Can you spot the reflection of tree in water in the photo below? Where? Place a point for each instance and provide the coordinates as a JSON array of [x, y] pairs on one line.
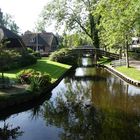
[[121, 110], [36, 112], [112, 115], [74, 112], [77, 120], [9, 133]]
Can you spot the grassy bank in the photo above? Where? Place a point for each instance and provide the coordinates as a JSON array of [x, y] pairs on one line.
[[55, 69], [104, 61], [130, 72], [18, 94]]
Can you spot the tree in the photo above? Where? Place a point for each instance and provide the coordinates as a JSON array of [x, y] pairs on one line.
[[74, 15], [74, 40], [117, 22], [6, 58], [7, 21]]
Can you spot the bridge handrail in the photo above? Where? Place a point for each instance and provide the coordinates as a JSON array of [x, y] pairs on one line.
[[106, 53]]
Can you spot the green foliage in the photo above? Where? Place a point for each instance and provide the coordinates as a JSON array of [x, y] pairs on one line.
[[36, 79], [7, 21], [75, 16], [35, 83], [55, 55], [32, 52], [117, 23], [29, 50], [43, 65], [134, 55], [26, 59], [37, 55], [12, 59], [74, 40], [130, 72], [64, 55], [7, 58], [24, 75]]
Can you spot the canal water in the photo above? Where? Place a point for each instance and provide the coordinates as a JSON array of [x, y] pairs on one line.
[[89, 104]]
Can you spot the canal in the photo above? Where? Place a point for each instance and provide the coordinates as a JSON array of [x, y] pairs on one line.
[[88, 104]]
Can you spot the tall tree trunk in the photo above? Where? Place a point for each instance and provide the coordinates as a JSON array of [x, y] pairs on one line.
[[94, 32], [127, 57], [94, 35]]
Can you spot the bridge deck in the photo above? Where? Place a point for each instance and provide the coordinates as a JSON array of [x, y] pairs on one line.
[[92, 51]]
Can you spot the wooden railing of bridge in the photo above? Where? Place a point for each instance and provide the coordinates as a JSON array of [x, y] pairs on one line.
[[92, 51]]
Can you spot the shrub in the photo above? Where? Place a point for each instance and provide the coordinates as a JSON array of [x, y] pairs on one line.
[[8, 60], [24, 75], [29, 50], [37, 55], [34, 53], [36, 79], [40, 81], [35, 83], [45, 79], [64, 55], [26, 60]]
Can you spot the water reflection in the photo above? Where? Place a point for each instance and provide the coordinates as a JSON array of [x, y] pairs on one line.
[[103, 109], [99, 108], [87, 61], [7, 132]]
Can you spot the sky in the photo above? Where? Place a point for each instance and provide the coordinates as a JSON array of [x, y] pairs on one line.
[[24, 12]]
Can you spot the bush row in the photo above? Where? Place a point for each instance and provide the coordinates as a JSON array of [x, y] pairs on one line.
[[15, 60]]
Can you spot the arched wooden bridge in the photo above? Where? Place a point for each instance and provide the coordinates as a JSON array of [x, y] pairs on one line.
[[90, 50]]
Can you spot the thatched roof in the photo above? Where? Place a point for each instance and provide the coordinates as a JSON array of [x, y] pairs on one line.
[[15, 40], [44, 38], [6, 33], [48, 37], [31, 39]]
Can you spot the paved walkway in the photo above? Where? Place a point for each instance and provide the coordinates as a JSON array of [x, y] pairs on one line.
[[132, 62], [135, 63]]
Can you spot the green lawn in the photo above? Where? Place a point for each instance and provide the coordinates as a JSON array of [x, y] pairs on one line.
[[43, 65], [130, 72], [104, 60]]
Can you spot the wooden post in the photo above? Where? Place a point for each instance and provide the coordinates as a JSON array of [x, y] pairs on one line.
[[127, 57]]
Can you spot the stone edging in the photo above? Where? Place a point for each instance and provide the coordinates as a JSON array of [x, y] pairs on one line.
[[122, 76]]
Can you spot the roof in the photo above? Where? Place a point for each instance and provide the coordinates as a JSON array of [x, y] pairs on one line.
[[48, 37], [44, 38], [15, 40], [6, 33], [31, 39]]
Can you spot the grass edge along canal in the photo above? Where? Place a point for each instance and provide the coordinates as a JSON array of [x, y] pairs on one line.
[[55, 69]]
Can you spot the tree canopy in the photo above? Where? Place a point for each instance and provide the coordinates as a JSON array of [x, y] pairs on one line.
[[73, 15], [7, 21], [118, 20]]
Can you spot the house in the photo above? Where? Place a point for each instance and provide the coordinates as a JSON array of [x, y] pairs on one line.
[[14, 41], [135, 42], [43, 42]]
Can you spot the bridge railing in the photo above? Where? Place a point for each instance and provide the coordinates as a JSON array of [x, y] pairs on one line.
[[98, 51]]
